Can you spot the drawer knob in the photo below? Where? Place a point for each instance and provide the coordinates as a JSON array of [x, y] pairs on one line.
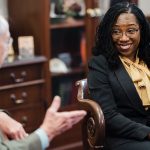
[[18, 80], [24, 121], [18, 101]]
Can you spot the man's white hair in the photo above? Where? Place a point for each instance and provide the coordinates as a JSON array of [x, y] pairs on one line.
[[3, 25]]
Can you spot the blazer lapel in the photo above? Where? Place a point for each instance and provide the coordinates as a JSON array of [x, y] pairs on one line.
[[129, 87]]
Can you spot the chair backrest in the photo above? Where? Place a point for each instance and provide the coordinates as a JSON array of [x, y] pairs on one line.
[[93, 125]]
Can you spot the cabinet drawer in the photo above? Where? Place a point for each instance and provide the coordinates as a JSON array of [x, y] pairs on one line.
[[20, 96], [31, 116], [20, 74]]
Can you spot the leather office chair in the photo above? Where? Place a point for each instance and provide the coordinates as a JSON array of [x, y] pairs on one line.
[[93, 125]]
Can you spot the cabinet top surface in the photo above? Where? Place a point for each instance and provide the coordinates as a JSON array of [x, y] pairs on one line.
[[16, 61]]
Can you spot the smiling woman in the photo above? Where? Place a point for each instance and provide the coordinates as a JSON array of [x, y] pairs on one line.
[[126, 35], [119, 77]]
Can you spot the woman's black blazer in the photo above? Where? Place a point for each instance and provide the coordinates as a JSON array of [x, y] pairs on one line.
[[114, 90]]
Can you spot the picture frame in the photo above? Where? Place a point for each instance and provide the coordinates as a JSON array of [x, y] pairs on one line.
[[26, 46]]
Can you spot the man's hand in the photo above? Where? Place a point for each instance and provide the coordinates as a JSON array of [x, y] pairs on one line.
[[56, 123], [11, 128]]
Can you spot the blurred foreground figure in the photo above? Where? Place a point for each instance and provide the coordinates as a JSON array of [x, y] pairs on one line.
[[12, 134]]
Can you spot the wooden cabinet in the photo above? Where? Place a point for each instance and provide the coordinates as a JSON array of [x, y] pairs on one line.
[[26, 82], [21, 91]]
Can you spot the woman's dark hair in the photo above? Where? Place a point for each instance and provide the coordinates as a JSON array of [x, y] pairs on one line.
[[103, 40]]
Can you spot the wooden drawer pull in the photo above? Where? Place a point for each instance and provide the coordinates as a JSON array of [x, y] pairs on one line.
[[18, 101], [24, 121], [18, 80]]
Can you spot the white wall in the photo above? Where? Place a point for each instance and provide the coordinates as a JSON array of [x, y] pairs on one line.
[[3, 8], [145, 6], [104, 5]]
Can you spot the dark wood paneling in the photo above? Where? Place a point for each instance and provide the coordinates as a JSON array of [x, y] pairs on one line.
[[30, 17], [91, 25]]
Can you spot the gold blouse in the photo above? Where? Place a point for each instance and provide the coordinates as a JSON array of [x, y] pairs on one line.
[[140, 76]]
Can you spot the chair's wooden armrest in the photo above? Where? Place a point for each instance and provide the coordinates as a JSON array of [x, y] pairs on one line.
[[93, 123], [93, 126]]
